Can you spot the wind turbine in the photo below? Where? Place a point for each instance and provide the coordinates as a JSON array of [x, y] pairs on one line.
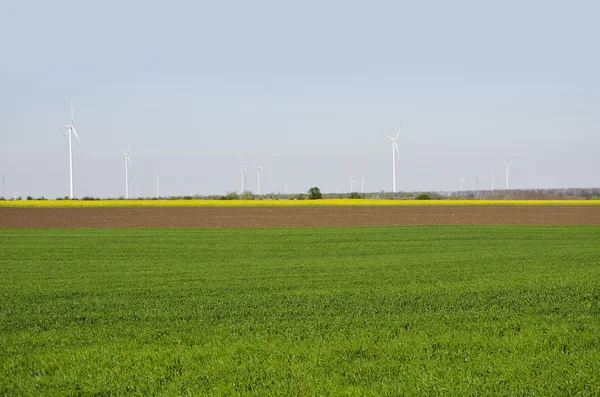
[[258, 168], [351, 185], [157, 184], [362, 183], [242, 170], [394, 151], [493, 179], [461, 184], [507, 164], [70, 131], [127, 163]]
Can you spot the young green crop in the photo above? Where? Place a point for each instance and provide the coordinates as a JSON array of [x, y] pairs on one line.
[[354, 311]]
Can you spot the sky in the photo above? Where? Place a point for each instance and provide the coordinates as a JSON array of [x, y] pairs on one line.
[[308, 87]]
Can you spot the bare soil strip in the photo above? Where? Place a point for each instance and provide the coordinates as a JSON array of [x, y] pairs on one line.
[[295, 217]]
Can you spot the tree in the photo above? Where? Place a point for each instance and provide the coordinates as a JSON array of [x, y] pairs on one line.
[[247, 195], [314, 193]]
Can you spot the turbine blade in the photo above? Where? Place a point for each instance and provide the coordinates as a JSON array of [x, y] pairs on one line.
[[389, 137], [129, 160], [76, 136], [397, 150], [398, 134]]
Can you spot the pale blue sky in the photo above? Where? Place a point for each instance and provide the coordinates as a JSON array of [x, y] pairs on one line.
[[309, 87]]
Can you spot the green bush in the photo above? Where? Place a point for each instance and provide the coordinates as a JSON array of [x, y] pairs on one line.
[[423, 196], [230, 196], [354, 195]]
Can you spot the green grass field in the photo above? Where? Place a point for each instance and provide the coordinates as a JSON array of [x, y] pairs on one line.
[[457, 310]]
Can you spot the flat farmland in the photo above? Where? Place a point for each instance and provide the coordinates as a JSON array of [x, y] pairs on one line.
[[285, 215], [374, 310]]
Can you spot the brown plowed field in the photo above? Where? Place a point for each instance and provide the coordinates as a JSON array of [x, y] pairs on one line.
[[296, 217]]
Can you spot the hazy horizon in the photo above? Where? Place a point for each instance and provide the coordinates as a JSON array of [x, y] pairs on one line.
[[310, 88]]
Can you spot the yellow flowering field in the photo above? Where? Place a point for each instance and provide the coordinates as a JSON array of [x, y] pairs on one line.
[[277, 203]]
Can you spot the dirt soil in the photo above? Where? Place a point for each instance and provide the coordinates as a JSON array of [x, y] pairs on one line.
[[296, 217]]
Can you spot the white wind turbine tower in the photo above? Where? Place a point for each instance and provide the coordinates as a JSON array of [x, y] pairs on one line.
[[461, 184], [127, 164], [351, 184], [493, 179], [157, 184], [362, 183], [507, 164], [242, 170], [394, 151], [258, 169], [70, 131]]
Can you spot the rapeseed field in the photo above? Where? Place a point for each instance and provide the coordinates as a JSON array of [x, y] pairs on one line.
[[276, 203]]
